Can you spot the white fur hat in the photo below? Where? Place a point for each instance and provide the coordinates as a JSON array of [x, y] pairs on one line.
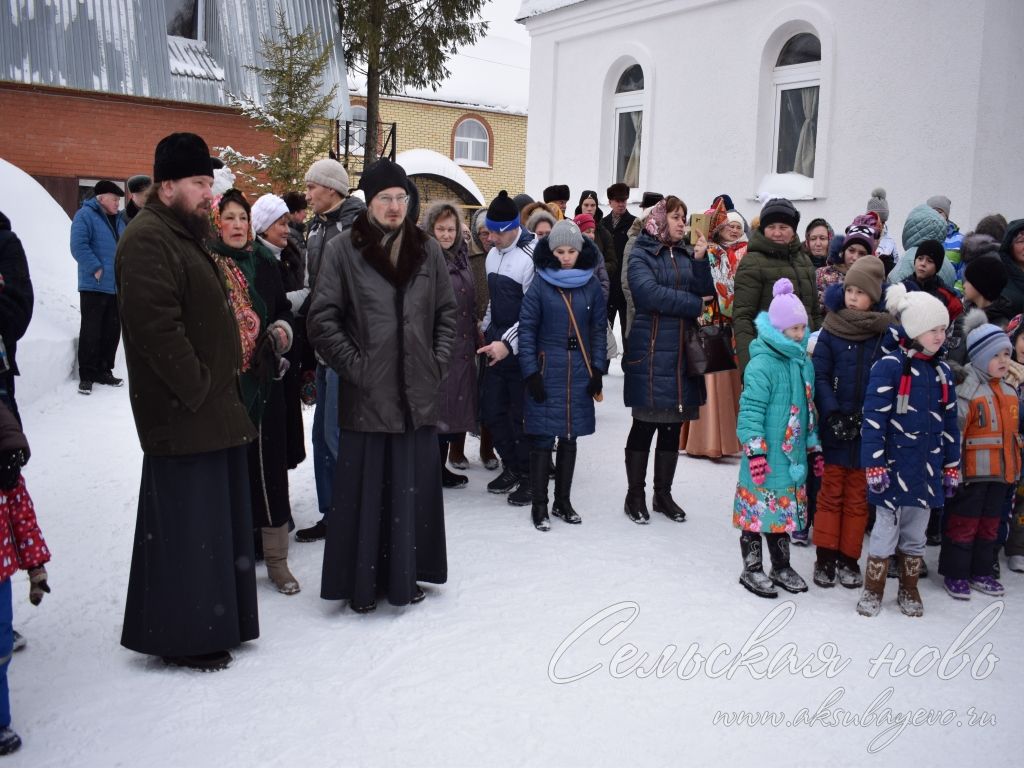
[[916, 311]]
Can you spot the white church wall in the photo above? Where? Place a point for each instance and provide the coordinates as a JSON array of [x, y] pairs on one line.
[[901, 85]]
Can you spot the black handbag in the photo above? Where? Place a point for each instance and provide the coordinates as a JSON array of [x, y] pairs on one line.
[[708, 348]]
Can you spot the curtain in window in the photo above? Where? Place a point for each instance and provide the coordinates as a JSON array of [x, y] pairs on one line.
[[631, 177], [803, 162]]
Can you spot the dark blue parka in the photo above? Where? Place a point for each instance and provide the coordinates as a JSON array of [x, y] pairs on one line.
[[548, 345], [841, 369], [668, 286]]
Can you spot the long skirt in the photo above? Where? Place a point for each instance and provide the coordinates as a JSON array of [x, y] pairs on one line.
[[192, 586], [713, 434], [268, 464], [386, 529]]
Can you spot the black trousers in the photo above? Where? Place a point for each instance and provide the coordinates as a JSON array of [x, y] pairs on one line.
[[99, 335]]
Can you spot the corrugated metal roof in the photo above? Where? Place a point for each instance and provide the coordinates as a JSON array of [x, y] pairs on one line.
[[122, 46]]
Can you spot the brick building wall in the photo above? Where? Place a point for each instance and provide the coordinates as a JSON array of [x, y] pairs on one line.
[[60, 135], [427, 125]]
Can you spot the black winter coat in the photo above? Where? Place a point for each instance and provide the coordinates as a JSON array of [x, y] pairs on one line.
[[620, 234], [387, 330], [16, 297]]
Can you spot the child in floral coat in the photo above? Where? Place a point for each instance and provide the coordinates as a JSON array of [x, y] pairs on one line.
[[778, 430], [21, 546]]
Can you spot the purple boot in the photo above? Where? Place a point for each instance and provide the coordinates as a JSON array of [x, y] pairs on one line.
[[958, 588], [987, 586]]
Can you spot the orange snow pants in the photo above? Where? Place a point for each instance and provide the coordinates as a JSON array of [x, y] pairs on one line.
[[842, 514]]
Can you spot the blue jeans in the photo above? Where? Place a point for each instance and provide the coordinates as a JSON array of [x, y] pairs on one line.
[[325, 435], [6, 647]]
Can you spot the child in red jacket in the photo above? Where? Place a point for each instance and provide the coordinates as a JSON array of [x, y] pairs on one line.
[[21, 546]]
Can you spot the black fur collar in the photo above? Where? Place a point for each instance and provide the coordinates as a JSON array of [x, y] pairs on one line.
[[366, 237]]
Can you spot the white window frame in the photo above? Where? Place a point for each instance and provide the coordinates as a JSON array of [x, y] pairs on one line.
[[469, 142], [793, 77], [357, 147], [628, 101]]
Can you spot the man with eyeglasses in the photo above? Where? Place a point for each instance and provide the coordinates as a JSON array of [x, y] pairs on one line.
[[333, 213], [383, 317]]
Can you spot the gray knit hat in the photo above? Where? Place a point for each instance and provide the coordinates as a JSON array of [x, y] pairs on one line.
[[878, 204], [567, 233], [939, 203], [329, 173]]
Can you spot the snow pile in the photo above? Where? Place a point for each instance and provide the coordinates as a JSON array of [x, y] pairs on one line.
[[46, 355], [529, 8], [792, 186], [426, 162], [190, 58]]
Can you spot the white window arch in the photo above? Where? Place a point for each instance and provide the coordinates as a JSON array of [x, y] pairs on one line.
[[796, 87], [627, 126], [472, 143]]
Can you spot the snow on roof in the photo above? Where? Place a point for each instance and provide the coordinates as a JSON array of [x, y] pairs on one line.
[[426, 162], [190, 57], [530, 8], [494, 73]]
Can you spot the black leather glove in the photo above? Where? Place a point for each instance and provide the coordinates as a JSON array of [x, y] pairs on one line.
[[535, 386], [596, 385], [854, 421], [11, 463]]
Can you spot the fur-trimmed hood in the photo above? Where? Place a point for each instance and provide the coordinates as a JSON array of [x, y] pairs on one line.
[[544, 258], [366, 237], [441, 208]]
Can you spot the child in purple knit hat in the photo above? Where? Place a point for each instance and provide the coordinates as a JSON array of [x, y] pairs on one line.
[[778, 429]]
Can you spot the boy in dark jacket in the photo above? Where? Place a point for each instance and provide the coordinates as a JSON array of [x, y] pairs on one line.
[[848, 345], [927, 263], [21, 546]]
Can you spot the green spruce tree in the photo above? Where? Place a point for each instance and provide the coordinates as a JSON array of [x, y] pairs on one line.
[[296, 111], [402, 43]]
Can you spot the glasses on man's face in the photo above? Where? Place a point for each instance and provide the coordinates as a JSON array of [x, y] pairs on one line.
[[390, 200], [1019, 238]]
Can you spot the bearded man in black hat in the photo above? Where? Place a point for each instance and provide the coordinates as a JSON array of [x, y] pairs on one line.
[[192, 587], [383, 318]]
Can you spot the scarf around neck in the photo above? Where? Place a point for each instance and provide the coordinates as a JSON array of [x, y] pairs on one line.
[[855, 324], [566, 278]]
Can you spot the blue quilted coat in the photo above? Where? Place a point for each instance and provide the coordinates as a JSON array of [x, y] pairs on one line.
[[841, 369], [93, 242], [668, 287], [545, 347], [915, 443]]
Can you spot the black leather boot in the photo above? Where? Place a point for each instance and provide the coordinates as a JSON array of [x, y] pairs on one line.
[[664, 474], [539, 489], [636, 478], [565, 465], [782, 574]]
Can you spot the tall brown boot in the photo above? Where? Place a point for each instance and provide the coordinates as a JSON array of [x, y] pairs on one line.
[[908, 597], [275, 553], [870, 602]]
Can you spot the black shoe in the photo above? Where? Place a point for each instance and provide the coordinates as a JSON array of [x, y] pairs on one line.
[[419, 596], [313, 533], [204, 662], [85, 387], [664, 474], [848, 572], [825, 568], [19, 642], [9, 741], [934, 539], [522, 496], [109, 379], [368, 608], [636, 476], [753, 577], [565, 466], [782, 574], [451, 480], [505, 482]]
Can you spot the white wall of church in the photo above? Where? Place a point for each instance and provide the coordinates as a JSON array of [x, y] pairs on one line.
[[915, 96]]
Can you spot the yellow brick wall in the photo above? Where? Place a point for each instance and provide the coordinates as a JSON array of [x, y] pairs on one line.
[[422, 125]]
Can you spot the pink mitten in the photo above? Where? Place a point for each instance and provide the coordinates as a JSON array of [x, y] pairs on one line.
[[759, 469]]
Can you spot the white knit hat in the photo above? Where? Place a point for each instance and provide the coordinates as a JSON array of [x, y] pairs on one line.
[[329, 173], [917, 311], [267, 210]]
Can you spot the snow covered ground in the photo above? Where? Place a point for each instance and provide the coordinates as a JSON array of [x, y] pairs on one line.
[[482, 672], [466, 677]]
